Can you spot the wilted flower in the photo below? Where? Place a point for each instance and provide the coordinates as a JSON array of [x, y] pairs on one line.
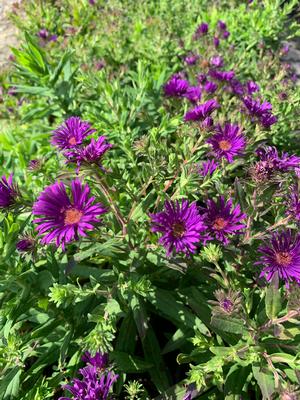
[[201, 111], [71, 133], [293, 204], [64, 219], [227, 142], [201, 78], [260, 111], [252, 87], [193, 94], [221, 75], [181, 226], [210, 87], [261, 172], [35, 165], [100, 64], [207, 167], [176, 86], [281, 255], [274, 161], [90, 154], [228, 303], [94, 385], [223, 219], [222, 25], [226, 34], [8, 192]]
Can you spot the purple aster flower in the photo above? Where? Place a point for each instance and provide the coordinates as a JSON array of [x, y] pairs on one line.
[[8, 192], [237, 87], [95, 385], [210, 87], [260, 111], [281, 255], [274, 161], [176, 86], [53, 38], [92, 2], [193, 94], [62, 218], [191, 59], [285, 49], [207, 124], [293, 204], [227, 142], [100, 360], [216, 41], [90, 154], [201, 30], [43, 34], [207, 168], [222, 25], [226, 34], [221, 75], [25, 244], [201, 78], [181, 226], [217, 61], [252, 87], [228, 302], [71, 133], [223, 219], [201, 111]]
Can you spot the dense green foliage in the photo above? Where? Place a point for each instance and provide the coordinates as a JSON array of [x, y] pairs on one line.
[[117, 291]]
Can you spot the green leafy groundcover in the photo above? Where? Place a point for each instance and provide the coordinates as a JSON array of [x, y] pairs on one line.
[[188, 280]]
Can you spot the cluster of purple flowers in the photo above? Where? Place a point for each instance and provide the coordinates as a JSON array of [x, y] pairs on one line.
[[45, 36], [96, 382], [220, 33]]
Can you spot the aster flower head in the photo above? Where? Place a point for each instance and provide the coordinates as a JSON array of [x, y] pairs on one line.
[[191, 59], [99, 360], [225, 34], [201, 78], [223, 219], [276, 162], [62, 218], [193, 94], [207, 167], [43, 34], [222, 75], [176, 86], [201, 111], [8, 192], [227, 142], [280, 255], [217, 62], [94, 385], [222, 25], [261, 111], [90, 154], [25, 244], [210, 87], [181, 226], [237, 87], [71, 133], [227, 303], [201, 30], [252, 87], [216, 42], [207, 124]]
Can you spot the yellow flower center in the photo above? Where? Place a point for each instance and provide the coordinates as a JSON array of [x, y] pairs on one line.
[[283, 258], [178, 229], [225, 145], [72, 140], [220, 223], [72, 216]]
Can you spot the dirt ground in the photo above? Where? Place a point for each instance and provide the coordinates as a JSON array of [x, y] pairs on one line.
[[8, 33]]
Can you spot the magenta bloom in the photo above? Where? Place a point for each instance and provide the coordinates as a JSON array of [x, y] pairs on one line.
[[8, 192], [25, 244], [281, 255], [252, 87], [193, 94], [43, 34], [100, 360], [201, 111], [95, 384], [71, 133], [217, 62], [201, 30], [210, 87], [216, 41], [226, 34], [227, 142], [221, 75], [64, 219], [260, 111], [181, 226], [207, 168], [285, 162], [176, 86], [191, 59], [223, 219], [90, 154], [222, 25], [201, 78]]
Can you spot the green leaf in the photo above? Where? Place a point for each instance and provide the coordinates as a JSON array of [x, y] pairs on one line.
[[129, 364], [273, 299], [265, 380], [228, 324], [236, 379]]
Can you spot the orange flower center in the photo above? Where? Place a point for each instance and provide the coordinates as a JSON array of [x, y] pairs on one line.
[[225, 145], [220, 223], [72, 140], [72, 216], [178, 229], [283, 258]]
